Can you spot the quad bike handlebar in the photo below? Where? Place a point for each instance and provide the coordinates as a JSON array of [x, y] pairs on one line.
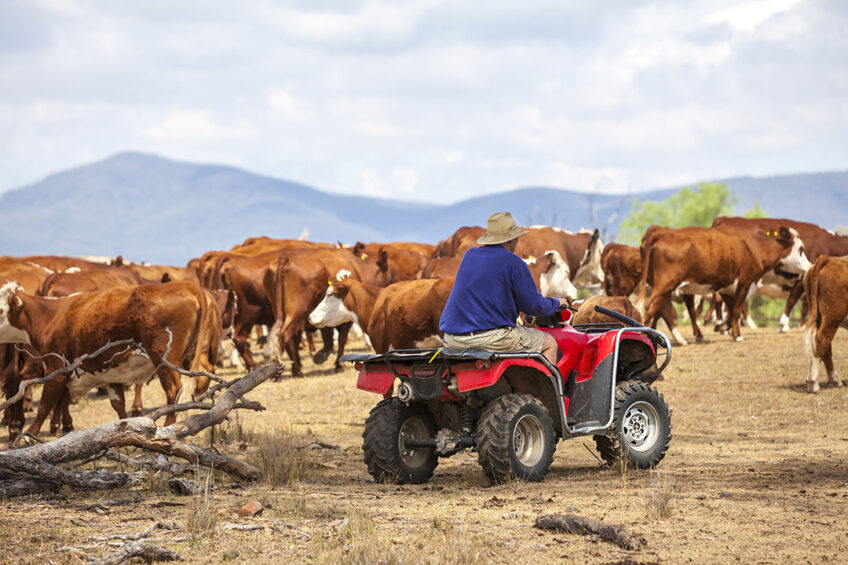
[[627, 321]]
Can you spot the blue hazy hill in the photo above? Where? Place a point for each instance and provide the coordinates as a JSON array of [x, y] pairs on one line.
[[146, 207]]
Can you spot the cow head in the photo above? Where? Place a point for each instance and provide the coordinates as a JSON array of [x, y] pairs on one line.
[[555, 281], [795, 261], [590, 271], [359, 249], [11, 307], [331, 311]]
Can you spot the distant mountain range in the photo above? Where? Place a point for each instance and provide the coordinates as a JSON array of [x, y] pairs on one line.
[[146, 207]]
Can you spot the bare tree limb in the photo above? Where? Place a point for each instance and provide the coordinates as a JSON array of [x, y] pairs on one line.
[[571, 524], [146, 551], [172, 408], [36, 467]]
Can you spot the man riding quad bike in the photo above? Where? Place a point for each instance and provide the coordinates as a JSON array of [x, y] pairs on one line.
[[513, 407], [510, 391]]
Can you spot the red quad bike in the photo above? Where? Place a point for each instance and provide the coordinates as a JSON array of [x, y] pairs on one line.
[[512, 407]]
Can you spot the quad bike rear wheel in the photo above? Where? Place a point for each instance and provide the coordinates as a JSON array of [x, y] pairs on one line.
[[387, 428], [515, 439], [641, 428]]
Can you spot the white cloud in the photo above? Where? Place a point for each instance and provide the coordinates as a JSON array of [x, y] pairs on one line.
[[426, 100], [452, 158], [194, 125]]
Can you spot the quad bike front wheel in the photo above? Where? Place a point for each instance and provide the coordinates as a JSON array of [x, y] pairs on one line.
[[387, 428], [641, 428], [515, 439]]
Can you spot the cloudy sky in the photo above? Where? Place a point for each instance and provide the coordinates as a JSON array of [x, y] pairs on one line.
[[430, 100]]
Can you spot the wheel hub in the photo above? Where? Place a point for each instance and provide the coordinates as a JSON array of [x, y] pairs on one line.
[[412, 429], [640, 426], [527, 440]]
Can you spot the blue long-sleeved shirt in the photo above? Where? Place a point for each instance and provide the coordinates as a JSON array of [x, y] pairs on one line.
[[492, 285]]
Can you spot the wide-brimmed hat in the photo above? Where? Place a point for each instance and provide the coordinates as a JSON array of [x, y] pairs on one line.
[[500, 228]]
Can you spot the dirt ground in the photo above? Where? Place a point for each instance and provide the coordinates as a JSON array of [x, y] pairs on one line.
[[756, 473]]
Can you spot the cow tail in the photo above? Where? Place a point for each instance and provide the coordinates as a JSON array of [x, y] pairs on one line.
[[279, 304], [811, 298], [642, 288]]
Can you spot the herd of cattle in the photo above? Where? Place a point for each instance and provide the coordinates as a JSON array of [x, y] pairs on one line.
[[55, 309]]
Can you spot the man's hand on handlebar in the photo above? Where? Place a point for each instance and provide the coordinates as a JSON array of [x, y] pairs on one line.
[[563, 303]]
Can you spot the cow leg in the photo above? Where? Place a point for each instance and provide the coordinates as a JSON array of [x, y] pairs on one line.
[[660, 306], [67, 420], [746, 316], [824, 351], [50, 396], [734, 307], [243, 347], [711, 311], [56, 414], [689, 301], [289, 342], [62, 414], [310, 342], [11, 383], [173, 386], [327, 347], [344, 330], [138, 405], [795, 295], [117, 399], [816, 344]]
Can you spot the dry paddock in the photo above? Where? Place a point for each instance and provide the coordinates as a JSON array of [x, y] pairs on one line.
[[757, 470]]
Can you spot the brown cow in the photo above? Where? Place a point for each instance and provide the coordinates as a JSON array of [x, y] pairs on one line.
[[779, 283], [622, 266], [299, 283], [82, 323], [403, 315], [425, 249], [47, 263], [461, 241], [707, 260], [826, 290], [405, 264], [165, 273], [586, 310], [257, 245], [72, 281], [441, 268]]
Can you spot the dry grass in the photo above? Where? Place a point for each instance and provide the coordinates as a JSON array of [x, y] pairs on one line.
[[659, 495], [282, 455], [199, 515], [758, 467]]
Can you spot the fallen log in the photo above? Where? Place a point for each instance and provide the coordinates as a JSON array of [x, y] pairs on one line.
[[571, 524], [36, 468], [147, 551]]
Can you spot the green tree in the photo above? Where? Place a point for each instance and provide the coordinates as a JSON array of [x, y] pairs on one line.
[[686, 207], [756, 212]]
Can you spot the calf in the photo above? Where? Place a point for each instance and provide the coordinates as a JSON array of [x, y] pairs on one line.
[[586, 313], [826, 290]]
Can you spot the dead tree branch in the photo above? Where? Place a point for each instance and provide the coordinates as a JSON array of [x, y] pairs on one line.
[[35, 468], [147, 551], [571, 524]]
